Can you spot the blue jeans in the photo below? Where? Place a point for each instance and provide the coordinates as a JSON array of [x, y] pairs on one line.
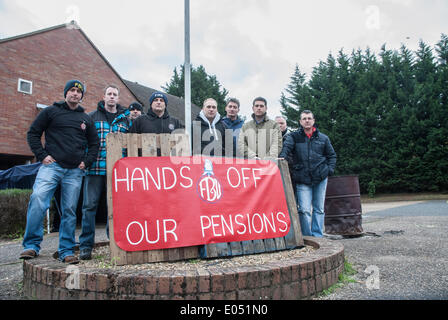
[[93, 187], [47, 180], [312, 196]]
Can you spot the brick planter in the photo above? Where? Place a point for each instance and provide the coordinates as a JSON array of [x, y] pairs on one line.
[[299, 278]]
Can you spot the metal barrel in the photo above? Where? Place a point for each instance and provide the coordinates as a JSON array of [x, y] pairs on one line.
[[343, 213]]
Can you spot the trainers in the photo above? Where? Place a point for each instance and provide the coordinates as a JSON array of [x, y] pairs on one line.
[[71, 260], [85, 254], [28, 254]]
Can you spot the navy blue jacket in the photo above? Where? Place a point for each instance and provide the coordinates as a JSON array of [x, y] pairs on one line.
[[313, 159]]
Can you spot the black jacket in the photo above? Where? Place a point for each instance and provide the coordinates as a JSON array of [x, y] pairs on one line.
[[207, 138], [313, 159], [151, 123], [70, 136]]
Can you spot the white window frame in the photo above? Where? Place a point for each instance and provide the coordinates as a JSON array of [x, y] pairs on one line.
[[26, 81]]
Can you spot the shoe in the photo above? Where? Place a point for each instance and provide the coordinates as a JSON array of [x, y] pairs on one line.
[[85, 254], [71, 260], [28, 254]]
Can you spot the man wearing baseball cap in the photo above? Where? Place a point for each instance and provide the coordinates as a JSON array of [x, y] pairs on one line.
[[71, 145], [157, 120], [124, 121]]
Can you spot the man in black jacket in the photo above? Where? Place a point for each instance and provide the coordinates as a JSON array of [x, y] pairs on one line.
[[71, 145], [157, 120], [314, 159]]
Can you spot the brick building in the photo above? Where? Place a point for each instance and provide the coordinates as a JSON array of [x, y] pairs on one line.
[[34, 68]]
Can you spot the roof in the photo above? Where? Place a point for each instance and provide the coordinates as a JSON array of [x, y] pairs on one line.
[[70, 25], [176, 105]]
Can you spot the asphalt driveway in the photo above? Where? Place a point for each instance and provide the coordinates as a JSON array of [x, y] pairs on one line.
[[403, 256]]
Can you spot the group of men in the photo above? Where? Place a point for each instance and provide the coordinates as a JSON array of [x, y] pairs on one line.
[[75, 149]]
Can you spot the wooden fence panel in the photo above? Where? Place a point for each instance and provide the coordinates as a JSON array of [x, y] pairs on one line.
[[147, 145], [292, 240]]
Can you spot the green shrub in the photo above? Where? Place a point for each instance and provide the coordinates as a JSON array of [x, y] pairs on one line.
[[13, 207]]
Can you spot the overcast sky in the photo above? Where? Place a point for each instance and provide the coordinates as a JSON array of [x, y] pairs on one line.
[[252, 46]]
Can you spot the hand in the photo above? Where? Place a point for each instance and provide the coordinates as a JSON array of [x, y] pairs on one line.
[[82, 165], [48, 160]]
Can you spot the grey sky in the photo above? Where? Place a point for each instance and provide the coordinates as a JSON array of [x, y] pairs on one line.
[[252, 46]]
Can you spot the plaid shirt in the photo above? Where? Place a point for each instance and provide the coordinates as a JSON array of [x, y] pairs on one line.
[[98, 168]]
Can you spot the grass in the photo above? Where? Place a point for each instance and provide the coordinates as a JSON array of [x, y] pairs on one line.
[[404, 197], [344, 278]]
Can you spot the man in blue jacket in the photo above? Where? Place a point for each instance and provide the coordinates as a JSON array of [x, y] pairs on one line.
[[71, 145], [314, 159], [233, 121]]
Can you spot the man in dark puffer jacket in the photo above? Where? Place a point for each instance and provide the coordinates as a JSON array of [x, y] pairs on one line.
[[314, 160]]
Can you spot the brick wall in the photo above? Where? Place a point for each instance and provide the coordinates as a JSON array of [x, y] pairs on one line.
[[49, 59], [290, 279]]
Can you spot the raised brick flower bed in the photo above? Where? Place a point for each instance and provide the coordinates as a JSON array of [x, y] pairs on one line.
[[288, 279]]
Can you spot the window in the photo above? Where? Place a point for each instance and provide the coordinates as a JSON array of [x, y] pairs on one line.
[[25, 86]]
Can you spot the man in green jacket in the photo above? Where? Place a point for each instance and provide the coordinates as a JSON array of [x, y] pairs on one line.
[[260, 138]]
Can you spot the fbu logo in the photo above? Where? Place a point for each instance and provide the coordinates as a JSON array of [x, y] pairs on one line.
[[209, 187]]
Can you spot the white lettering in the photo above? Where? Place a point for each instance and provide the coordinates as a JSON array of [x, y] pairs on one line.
[[141, 178], [142, 232], [282, 221], [157, 183], [166, 231], [228, 177], [205, 227], [165, 178], [186, 178], [147, 233], [169, 227], [121, 180]]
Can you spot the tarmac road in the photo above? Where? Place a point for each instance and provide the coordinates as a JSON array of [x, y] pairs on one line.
[[405, 250]]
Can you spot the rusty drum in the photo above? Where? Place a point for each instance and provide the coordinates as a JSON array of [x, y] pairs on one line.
[[343, 206]]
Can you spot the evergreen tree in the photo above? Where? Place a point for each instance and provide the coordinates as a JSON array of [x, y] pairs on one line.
[[387, 117], [203, 86]]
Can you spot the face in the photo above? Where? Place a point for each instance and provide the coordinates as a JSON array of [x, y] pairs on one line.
[[111, 97], [259, 108], [210, 109], [282, 124], [232, 110], [73, 96], [307, 121], [158, 106], [134, 114]]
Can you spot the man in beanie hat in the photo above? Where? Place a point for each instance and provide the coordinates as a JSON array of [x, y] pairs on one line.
[[74, 84], [71, 145], [95, 180], [157, 120], [123, 122]]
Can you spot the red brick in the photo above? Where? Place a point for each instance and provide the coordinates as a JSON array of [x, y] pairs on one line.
[[164, 285], [178, 284], [35, 58]]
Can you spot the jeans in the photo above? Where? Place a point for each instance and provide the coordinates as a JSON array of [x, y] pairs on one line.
[[312, 196], [93, 187], [47, 180]]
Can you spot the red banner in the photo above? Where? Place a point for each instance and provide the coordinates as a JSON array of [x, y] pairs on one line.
[[170, 202]]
